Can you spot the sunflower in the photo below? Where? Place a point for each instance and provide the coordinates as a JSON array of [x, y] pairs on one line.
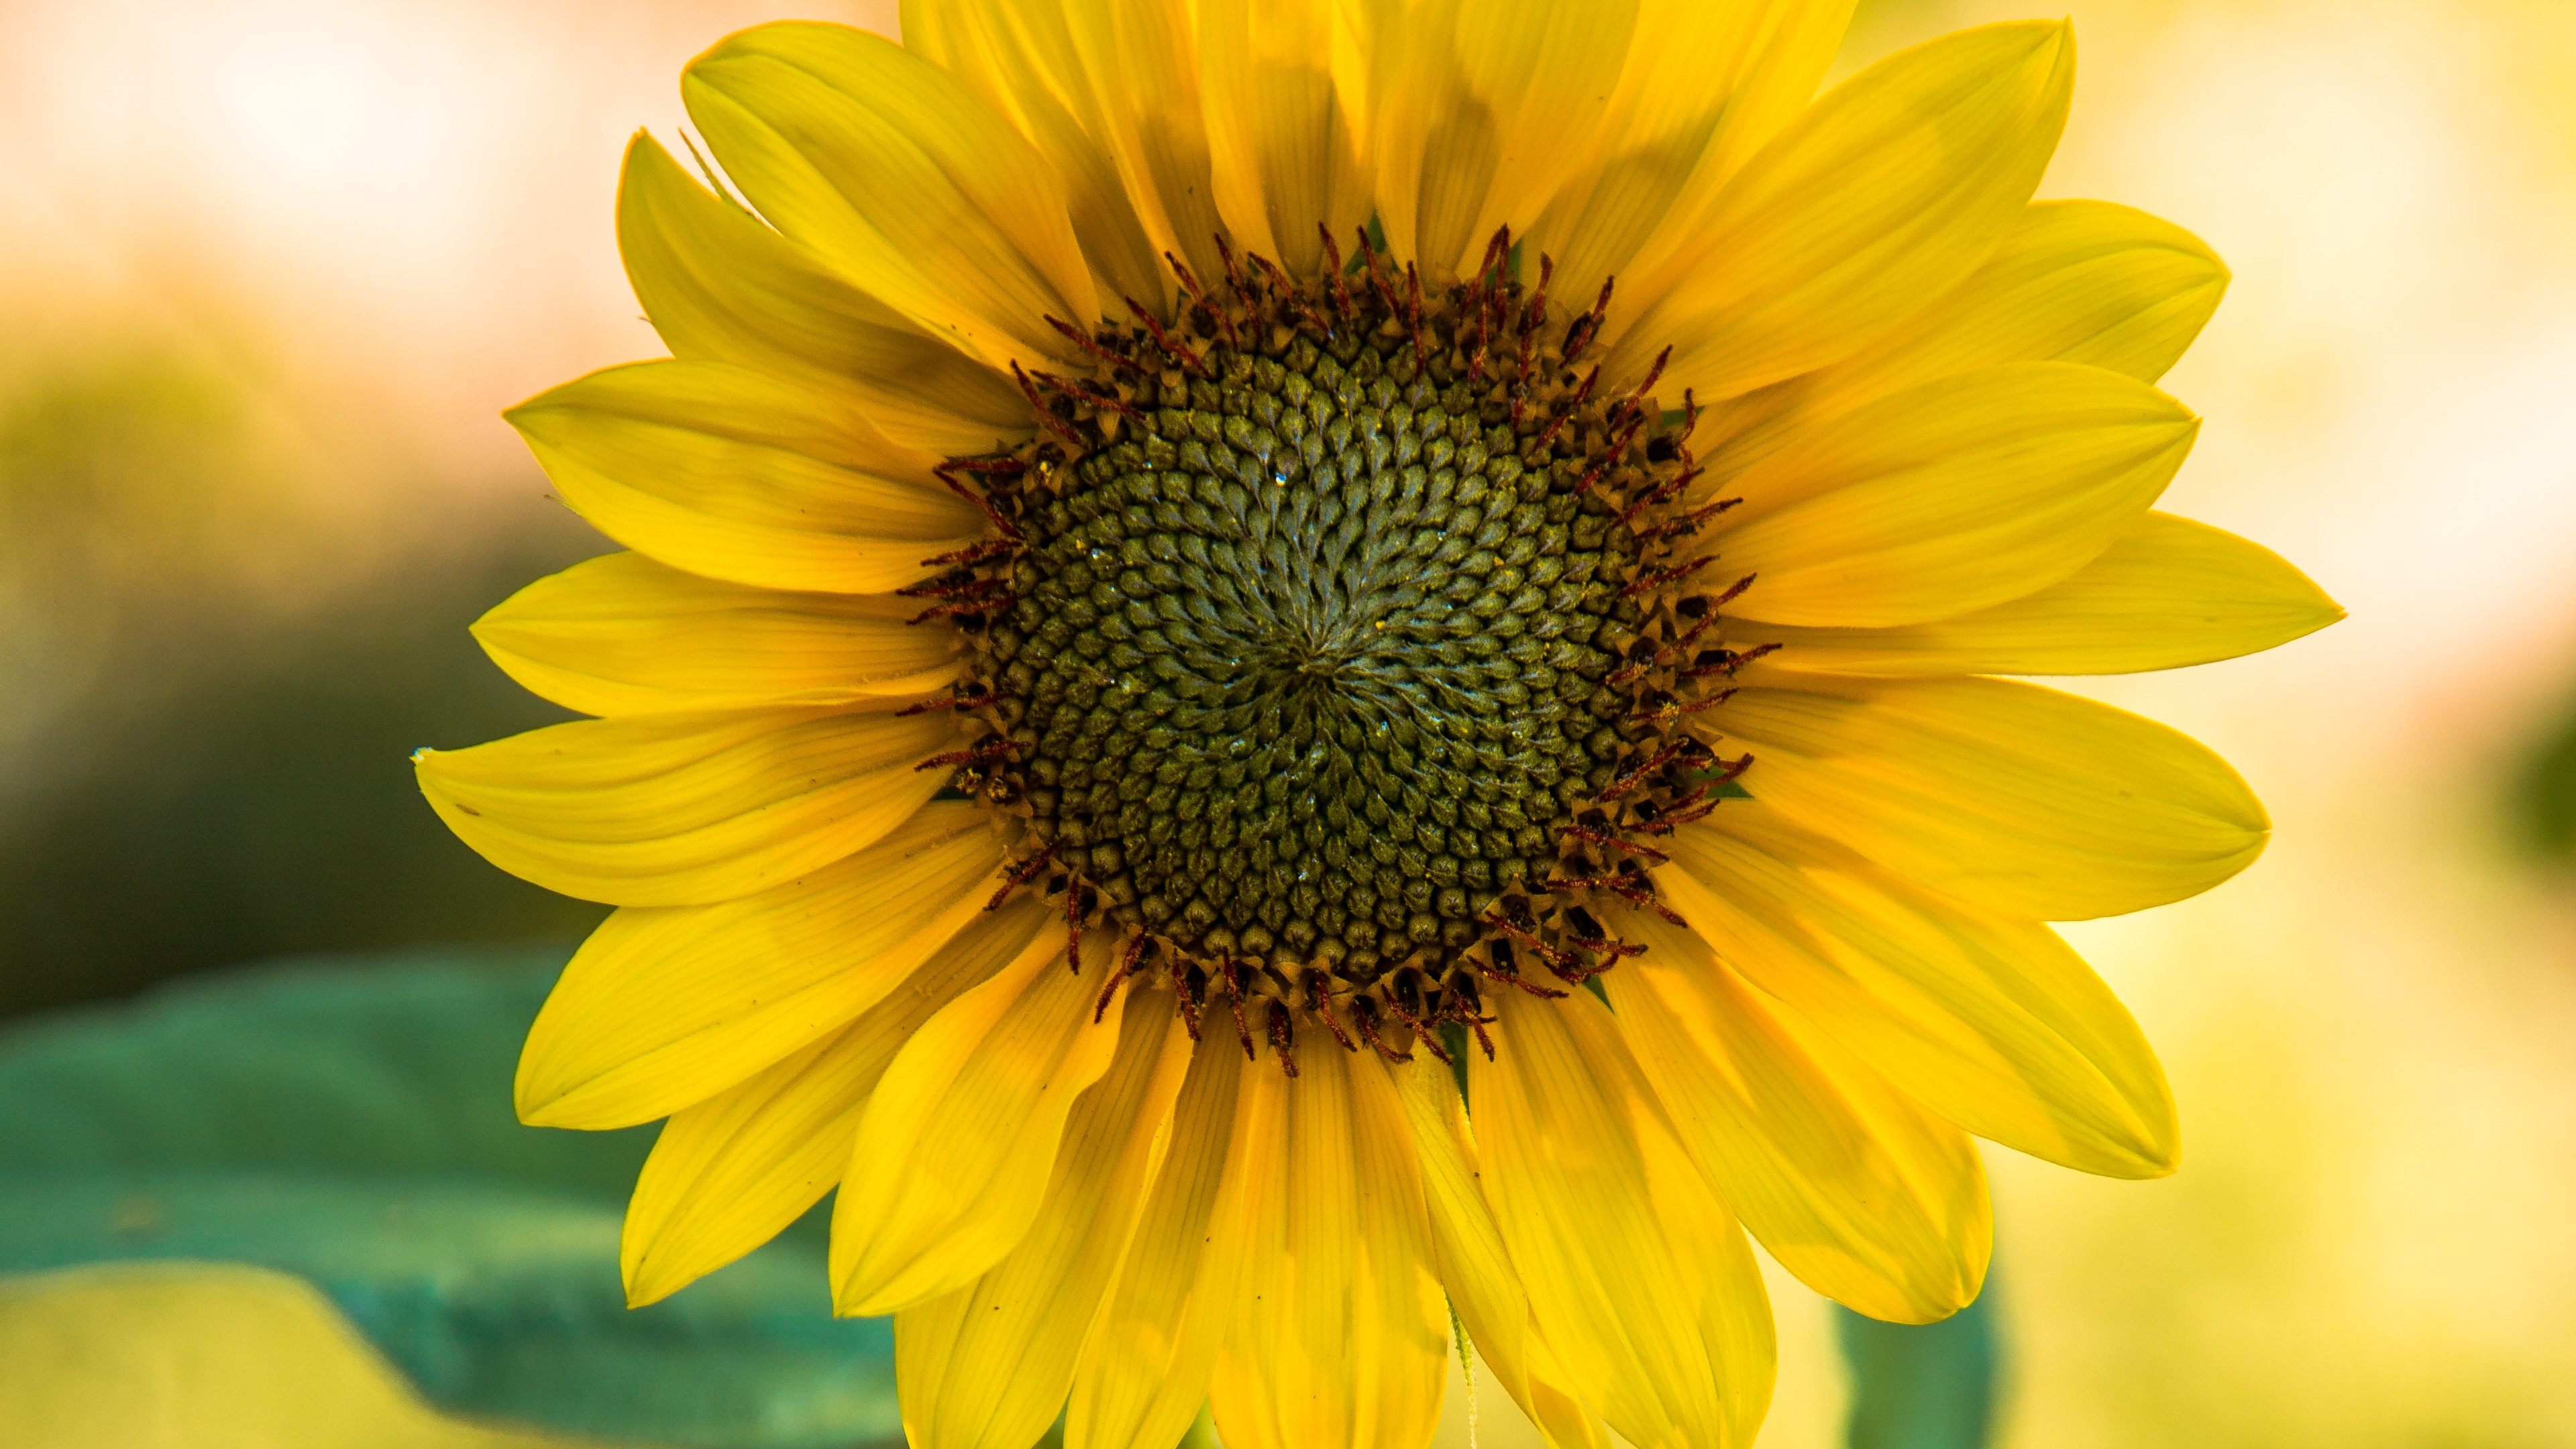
[[1299, 680]]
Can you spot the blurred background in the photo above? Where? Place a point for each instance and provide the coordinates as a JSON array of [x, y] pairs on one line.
[[269, 270]]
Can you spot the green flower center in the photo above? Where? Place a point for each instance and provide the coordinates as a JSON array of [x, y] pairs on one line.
[[1331, 646]]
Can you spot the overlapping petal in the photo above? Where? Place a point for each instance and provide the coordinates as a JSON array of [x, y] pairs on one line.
[[740, 475], [664, 1005], [2017, 798], [959, 1139], [889, 166], [2167, 593], [685, 809], [1992, 1022], [729, 1173], [1643, 1278], [1950, 497], [987, 1367], [1891, 188], [621, 634], [721, 287], [1868, 1198], [1339, 1334], [1287, 141]]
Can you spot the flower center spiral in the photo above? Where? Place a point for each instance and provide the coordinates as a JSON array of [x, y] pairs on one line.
[[1333, 647]]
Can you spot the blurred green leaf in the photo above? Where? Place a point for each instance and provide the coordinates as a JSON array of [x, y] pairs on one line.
[[2545, 790], [349, 1121], [1921, 1386]]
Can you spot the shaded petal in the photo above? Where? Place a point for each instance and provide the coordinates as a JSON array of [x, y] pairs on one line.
[[1648, 1291], [1494, 105], [1951, 497], [1140, 60], [890, 167], [731, 1172], [1019, 57], [685, 809], [987, 1367], [1868, 1198], [721, 287], [959, 1140], [1704, 88], [2073, 281], [1993, 1023], [1144, 1373], [664, 1005], [621, 634], [2020, 799], [2167, 593], [1339, 1336], [1484, 1288], [1889, 190], [1284, 138], [739, 475]]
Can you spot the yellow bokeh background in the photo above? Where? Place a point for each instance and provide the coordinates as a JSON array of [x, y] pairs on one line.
[[342, 236]]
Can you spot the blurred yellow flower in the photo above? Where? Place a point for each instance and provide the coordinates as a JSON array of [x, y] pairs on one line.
[[1415, 536]]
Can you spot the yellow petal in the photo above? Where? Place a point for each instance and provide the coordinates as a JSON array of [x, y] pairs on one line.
[[721, 287], [1868, 1198], [891, 167], [1704, 87], [739, 475], [1492, 107], [1889, 190], [1339, 1334], [664, 1005], [685, 809], [1468, 1253], [621, 634], [1284, 139], [1993, 1023], [1648, 1291], [1021, 60], [2167, 593], [1951, 497], [1140, 60], [2016, 798], [960, 1137], [988, 1366], [1144, 1373], [729, 1173]]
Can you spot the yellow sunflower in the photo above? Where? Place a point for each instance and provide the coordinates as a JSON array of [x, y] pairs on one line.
[[1296, 674]]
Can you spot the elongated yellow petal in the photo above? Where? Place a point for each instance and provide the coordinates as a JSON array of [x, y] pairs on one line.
[[988, 1366], [621, 634], [1493, 104], [1284, 139], [1704, 88], [1889, 190], [1133, 77], [1467, 1248], [1868, 1198], [1637, 1269], [888, 165], [729, 1173], [684, 809], [2073, 281], [2167, 593], [960, 1138], [2023, 800], [721, 287], [1339, 1334], [740, 475], [1951, 497], [662, 1005], [1993, 1023], [1144, 1373], [1020, 59]]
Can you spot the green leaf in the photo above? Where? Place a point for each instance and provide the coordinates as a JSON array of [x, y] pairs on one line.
[[1921, 1386], [349, 1122]]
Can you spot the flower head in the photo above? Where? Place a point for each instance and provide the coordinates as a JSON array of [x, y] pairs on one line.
[[1205, 577]]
